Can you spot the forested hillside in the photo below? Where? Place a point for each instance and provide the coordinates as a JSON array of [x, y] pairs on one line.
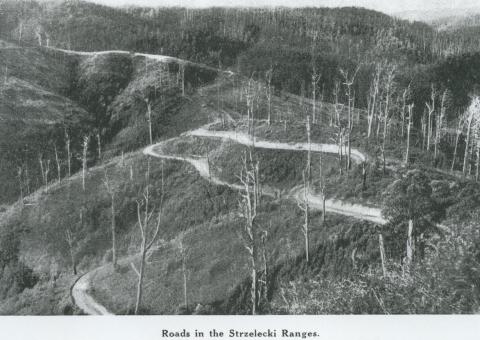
[[306, 160]]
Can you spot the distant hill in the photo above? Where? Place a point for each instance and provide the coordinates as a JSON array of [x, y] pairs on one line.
[[439, 14], [457, 22]]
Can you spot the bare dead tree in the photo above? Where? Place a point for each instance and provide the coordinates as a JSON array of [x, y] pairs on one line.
[[315, 80], [111, 190], [305, 207], [69, 156], [148, 231], [149, 119], [404, 107], [20, 182], [349, 80], [390, 76], [382, 254], [248, 204], [424, 129], [184, 255], [250, 96], [99, 145], [458, 133], [439, 124], [84, 160], [45, 170], [59, 173], [182, 77], [268, 79], [322, 186], [264, 279], [410, 245], [27, 178], [409, 129], [472, 114], [431, 109], [335, 120], [477, 148], [309, 152], [71, 240], [372, 98]]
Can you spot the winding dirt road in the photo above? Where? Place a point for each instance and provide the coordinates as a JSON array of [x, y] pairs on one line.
[[80, 289], [85, 301]]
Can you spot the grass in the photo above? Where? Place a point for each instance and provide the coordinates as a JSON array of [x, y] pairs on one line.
[[217, 262]]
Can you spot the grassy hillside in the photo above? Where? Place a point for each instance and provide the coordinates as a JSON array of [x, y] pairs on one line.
[[48, 94]]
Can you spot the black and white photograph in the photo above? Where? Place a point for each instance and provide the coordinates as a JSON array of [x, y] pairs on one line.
[[269, 158]]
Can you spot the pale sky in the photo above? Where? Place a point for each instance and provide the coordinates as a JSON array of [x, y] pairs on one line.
[[387, 6]]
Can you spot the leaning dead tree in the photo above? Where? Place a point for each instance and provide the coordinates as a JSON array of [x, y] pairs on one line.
[[149, 228], [248, 204]]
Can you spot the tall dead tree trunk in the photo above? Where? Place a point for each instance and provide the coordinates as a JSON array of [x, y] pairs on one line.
[[148, 233], [431, 110], [84, 160], [111, 192], [305, 207], [268, 78], [309, 152], [409, 129], [69, 156], [182, 75], [149, 120], [410, 244], [382, 254], [458, 133], [183, 254], [70, 238], [59, 174], [349, 81], [99, 146], [264, 291], [315, 80], [373, 93], [20, 182], [250, 200], [467, 141], [439, 124], [322, 188]]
